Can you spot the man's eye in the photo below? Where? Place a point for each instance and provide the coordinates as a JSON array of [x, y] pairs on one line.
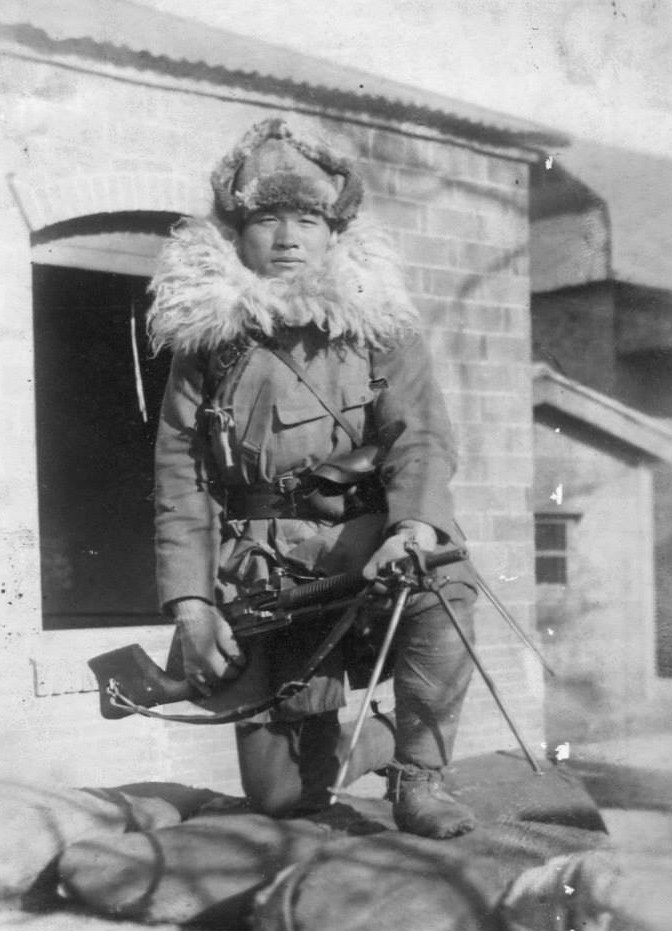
[[308, 220]]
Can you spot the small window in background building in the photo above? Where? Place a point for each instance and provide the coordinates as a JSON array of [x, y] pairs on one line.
[[550, 539]]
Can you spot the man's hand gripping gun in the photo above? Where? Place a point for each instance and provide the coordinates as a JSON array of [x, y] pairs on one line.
[[130, 681]]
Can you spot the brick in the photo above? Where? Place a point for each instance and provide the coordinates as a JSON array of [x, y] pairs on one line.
[[507, 173], [389, 147], [451, 160], [477, 165], [500, 407], [459, 344], [421, 186], [379, 178], [444, 221], [433, 311], [512, 527], [428, 250], [503, 499], [520, 263], [443, 283], [517, 321], [504, 289], [464, 406], [498, 467], [500, 347], [489, 377], [415, 281], [495, 436], [483, 258], [401, 214], [508, 226]]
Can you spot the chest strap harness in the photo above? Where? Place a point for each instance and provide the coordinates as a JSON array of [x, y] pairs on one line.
[[306, 495]]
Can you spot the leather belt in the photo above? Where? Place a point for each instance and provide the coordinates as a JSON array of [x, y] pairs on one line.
[[287, 496]]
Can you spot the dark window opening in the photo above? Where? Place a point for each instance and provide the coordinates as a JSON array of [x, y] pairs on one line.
[[550, 538], [94, 450]]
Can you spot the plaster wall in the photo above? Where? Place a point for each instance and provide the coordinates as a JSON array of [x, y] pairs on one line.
[[597, 629]]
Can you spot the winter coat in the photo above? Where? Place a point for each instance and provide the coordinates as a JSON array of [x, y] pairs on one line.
[[371, 366]]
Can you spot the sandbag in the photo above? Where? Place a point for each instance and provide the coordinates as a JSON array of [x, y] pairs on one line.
[[207, 867], [608, 888], [38, 821], [396, 882]]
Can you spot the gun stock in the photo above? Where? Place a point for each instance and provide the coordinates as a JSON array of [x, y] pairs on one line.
[[138, 678]]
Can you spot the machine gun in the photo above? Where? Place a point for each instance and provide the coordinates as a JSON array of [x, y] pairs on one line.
[[130, 682]]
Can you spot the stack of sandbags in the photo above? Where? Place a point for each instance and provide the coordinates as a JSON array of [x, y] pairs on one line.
[[38, 821]]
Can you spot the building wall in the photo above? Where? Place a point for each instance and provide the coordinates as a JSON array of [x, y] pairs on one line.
[[598, 629], [79, 142], [569, 249], [574, 330], [611, 337]]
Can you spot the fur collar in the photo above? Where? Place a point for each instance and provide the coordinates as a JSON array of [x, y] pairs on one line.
[[205, 296]]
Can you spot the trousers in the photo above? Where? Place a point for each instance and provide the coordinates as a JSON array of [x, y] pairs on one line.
[[290, 765]]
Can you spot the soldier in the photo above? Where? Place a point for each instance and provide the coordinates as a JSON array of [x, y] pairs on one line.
[[294, 341]]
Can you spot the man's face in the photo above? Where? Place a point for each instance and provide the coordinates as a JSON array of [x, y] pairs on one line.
[[282, 243]]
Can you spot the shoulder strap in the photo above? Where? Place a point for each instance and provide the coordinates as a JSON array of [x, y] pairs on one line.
[[300, 373]]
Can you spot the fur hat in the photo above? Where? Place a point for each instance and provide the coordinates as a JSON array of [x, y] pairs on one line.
[[271, 167]]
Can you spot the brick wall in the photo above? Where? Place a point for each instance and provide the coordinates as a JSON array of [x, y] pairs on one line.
[[81, 142]]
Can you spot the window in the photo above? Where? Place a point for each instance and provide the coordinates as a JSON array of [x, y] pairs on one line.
[[550, 539], [94, 448]]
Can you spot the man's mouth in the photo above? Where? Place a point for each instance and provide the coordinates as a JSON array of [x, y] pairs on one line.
[[287, 261]]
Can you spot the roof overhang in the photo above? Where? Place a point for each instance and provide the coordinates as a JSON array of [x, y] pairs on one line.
[[124, 34], [551, 390]]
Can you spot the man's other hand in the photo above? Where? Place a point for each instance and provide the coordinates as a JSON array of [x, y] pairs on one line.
[[405, 534], [209, 649]]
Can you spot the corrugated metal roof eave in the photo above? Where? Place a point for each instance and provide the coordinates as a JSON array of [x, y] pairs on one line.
[[426, 114]]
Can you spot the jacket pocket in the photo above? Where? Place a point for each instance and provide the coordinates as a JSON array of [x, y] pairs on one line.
[[355, 396], [295, 409]]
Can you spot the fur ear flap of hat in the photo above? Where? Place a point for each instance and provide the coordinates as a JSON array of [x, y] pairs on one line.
[[272, 167]]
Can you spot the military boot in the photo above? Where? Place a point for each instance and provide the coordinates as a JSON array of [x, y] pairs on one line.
[[421, 805]]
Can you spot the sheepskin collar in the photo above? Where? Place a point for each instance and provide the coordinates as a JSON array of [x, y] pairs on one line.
[[205, 296]]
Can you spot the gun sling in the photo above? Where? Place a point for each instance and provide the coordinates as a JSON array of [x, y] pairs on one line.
[[114, 703]]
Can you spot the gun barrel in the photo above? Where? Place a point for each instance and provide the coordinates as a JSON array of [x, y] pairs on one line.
[[336, 586], [340, 586]]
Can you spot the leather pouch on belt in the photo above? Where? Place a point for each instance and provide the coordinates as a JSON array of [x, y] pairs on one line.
[[347, 485]]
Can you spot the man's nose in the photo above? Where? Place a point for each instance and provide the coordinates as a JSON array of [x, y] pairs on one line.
[[286, 235]]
